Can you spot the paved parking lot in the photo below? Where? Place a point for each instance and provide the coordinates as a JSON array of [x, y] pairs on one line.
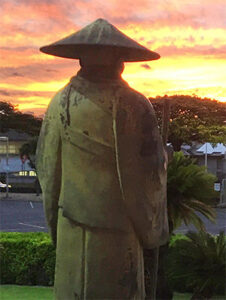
[[22, 216], [210, 227], [27, 216]]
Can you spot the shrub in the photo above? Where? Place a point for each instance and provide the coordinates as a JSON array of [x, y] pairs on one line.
[[197, 264], [26, 259], [194, 261]]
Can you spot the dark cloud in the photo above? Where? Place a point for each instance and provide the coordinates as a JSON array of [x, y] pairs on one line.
[[23, 93], [51, 70], [4, 93], [41, 72], [145, 66], [16, 74], [17, 49]]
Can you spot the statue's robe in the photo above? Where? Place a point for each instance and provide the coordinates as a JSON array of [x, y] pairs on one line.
[[102, 169]]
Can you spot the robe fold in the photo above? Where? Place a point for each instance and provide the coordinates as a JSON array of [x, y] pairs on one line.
[[102, 168]]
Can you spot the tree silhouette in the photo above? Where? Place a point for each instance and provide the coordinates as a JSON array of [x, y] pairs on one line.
[[12, 118], [193, 119]]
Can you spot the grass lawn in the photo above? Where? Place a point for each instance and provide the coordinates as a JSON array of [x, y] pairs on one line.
[[21, 292], [177, 296]]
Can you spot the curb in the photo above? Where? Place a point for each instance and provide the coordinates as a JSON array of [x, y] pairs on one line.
[[21, 197], [221, 205]]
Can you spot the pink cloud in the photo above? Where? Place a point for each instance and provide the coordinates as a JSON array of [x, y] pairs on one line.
[[27, 25], [18, 93], [208, 50], [38, 72]]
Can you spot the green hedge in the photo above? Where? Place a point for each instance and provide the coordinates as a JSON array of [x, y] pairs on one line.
[[26, 259], [29, 259]]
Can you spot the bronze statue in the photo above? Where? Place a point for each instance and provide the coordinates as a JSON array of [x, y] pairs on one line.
[[102, 169]]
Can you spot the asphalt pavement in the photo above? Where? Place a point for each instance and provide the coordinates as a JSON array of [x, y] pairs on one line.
[[22, 216], [213, 228], [28, 216]]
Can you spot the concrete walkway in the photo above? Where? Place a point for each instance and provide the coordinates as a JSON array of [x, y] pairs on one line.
[[21, 196]]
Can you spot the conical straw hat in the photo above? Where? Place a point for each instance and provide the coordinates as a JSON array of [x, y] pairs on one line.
[[97, 38]]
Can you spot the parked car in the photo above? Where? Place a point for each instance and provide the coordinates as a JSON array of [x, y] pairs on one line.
[[3, 186], [24, 184]]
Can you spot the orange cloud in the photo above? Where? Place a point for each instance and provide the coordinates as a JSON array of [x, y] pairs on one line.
[[189, 36]]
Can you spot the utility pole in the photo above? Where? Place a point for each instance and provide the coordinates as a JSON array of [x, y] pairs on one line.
[[206, 165], [165, 121], [6, 139]]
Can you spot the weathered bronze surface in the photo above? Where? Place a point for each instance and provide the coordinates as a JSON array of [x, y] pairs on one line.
[[100, 37], [102, 168]]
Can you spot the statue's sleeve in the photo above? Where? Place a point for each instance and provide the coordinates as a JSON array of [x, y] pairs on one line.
[[48, 164], [141, 165]]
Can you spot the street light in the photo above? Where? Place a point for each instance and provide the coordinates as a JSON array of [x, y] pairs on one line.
[[6, 139]]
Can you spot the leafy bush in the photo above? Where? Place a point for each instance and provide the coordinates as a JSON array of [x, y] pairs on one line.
[[197, 264], [26, 258], [195, 261]]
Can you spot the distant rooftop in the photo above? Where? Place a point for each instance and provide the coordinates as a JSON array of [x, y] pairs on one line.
[[209, 149], [14, 135], [198, 149], [14, 165]]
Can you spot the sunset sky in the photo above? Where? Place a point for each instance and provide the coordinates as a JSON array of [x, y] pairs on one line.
[[190, 36]]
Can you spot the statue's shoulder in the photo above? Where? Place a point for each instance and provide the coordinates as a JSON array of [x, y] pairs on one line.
[[60, 98], [134, 100], [56, 99]]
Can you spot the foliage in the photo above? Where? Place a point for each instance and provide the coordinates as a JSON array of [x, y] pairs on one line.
[[189, 190], [197, 264], [193, 119], [29, 149], [11, 118], [29, 259], [26, 258], [175, 237]]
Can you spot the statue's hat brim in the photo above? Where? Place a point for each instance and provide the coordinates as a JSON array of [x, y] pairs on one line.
[[96, 37]]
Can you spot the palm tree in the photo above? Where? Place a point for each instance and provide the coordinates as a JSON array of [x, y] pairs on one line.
[[189, 190], [199, 263]]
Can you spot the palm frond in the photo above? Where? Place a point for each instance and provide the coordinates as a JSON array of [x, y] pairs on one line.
[[189, 189], [199, 263]]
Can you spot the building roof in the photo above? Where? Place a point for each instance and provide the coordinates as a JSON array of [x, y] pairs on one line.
[[219, 149], [14, 135], [197, 149], [14, 165], [205, 148]]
